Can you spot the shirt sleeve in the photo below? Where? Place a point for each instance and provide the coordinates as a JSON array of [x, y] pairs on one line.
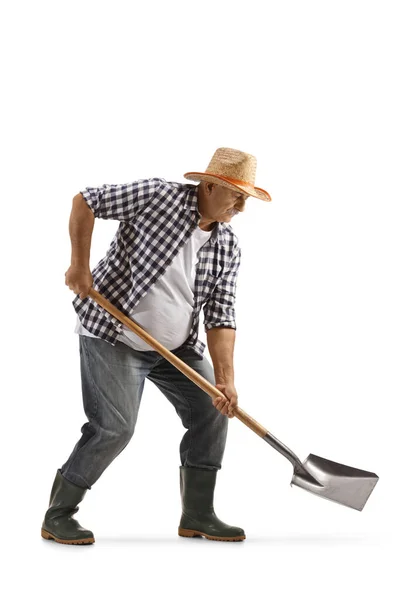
[[121, 202], [219, 310]]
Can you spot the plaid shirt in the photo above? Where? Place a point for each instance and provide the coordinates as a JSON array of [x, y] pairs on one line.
[[157, 217]]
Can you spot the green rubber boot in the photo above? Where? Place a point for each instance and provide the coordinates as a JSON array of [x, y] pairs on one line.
[[58, 524], [198, 516]]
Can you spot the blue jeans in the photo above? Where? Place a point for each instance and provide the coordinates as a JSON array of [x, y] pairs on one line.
[[112, 385]]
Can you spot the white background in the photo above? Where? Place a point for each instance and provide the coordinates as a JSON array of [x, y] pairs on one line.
[[101, 92]]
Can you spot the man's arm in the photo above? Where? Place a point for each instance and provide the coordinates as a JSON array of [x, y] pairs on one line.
[[120, 202], [220, 326], [221, 343], [81, 222]]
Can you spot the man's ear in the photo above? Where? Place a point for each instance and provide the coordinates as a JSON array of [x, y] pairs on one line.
[[209, 185]]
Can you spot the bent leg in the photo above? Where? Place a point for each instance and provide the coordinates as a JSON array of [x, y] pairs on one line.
[[204, 442], [112, 385]]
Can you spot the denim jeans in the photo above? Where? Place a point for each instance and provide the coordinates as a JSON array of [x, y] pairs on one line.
[[113, 380]]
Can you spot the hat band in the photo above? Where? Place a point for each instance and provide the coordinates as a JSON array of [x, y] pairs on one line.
[[230, 180]]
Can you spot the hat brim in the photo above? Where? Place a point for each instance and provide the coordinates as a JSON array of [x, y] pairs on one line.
[[254, 191]]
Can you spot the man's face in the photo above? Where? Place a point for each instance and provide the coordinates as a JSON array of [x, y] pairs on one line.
[[222, 203]]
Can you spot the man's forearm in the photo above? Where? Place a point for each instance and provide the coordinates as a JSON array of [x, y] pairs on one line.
[[221, 343], [81, 224]]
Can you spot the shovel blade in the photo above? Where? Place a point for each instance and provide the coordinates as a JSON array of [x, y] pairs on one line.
[[334, 481]]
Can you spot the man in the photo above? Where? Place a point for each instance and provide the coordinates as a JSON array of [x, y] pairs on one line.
[[174, 252]]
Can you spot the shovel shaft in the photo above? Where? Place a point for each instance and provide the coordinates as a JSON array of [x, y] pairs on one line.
[[285, 451], [202, 383]]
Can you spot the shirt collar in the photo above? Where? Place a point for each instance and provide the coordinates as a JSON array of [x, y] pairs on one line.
[[218, 233]]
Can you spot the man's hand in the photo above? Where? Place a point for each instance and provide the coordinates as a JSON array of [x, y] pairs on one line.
[[79, 279], [226, 407]]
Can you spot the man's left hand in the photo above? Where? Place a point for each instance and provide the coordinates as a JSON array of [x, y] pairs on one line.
[[226, 407]]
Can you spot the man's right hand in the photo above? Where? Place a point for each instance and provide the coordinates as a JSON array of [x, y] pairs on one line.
[[80, 280]]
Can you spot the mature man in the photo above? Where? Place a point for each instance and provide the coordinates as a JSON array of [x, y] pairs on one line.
[[173, 253]]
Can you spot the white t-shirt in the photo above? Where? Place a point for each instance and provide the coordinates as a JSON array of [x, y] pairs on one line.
[[165, 311]]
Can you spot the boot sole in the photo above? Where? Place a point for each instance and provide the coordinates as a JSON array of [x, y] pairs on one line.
[[49, 536], [194, 533]]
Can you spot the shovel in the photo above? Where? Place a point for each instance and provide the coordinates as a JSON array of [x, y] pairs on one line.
[[331, 480]]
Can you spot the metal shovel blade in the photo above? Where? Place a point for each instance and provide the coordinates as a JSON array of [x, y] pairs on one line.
[[333, 481], [327, 479]]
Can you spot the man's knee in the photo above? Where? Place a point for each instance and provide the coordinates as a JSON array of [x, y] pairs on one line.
[[117, 437]]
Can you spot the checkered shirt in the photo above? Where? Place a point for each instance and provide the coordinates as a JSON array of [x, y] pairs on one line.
[[157, 217]]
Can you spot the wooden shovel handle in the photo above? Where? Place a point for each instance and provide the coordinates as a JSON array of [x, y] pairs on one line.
[[205, 385]]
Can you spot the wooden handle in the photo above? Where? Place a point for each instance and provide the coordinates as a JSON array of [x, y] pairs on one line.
[[202, 383]]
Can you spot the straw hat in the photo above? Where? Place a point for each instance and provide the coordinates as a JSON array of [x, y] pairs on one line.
[[232, 169]]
